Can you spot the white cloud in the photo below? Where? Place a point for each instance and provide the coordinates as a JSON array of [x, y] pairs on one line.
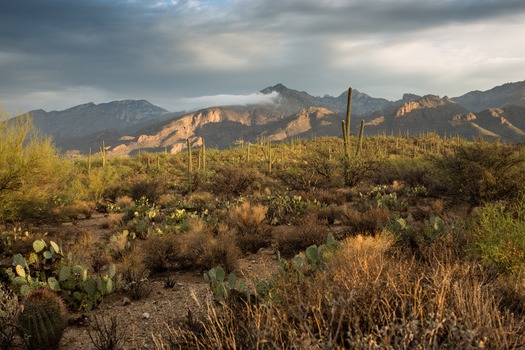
[[194, 103]]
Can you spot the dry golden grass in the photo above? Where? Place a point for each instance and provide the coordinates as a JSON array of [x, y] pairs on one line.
[[248, 220], [367, 298], [115, 221], [124, 202], [247, 216], [201, 249]]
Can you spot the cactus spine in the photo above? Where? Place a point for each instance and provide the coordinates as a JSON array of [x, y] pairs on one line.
[[42, 320]]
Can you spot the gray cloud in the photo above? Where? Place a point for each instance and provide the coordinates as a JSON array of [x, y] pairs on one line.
[[57, 53]]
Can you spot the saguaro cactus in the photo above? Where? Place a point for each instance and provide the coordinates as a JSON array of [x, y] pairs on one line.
[[89, 161], [42, 320], [346, 136], [203, 155], [103, 154], [360, 142], [190, 166]]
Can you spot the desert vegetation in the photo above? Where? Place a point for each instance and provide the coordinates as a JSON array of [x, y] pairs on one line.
[[384, 242]]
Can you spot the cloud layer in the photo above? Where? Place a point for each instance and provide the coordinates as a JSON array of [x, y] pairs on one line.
[[58, 53]]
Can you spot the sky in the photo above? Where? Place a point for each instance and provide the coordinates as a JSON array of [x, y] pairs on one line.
[[185, 54]]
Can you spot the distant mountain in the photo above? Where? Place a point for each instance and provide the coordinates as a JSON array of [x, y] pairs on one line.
[[86, 125], [130, 125], [500, 96], [293, 101], [447, 117]]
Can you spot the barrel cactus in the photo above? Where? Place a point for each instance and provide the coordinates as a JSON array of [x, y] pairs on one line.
[[42, 319]]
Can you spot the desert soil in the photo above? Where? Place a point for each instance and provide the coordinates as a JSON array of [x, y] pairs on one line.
[[142, 320]]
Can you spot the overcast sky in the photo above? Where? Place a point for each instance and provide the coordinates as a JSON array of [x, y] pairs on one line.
[[55, 54]]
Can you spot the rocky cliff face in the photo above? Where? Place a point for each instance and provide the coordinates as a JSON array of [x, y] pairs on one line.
[[447, 117]]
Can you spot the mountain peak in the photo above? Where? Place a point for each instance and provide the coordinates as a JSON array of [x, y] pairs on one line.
[[277, 88]]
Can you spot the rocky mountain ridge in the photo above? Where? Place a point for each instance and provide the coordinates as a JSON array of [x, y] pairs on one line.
[[129, 125]]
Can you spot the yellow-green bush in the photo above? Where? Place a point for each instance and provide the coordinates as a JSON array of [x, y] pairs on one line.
[[33, 178]]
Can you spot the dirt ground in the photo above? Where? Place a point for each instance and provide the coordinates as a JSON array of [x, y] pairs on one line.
[[143, 319]]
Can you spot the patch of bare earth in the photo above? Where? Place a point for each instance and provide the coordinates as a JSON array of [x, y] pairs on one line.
[[141, 319]]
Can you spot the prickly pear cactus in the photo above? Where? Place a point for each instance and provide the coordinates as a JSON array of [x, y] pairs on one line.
[[42, 319]]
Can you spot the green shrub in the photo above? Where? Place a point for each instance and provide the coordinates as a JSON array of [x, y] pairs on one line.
[[481, 171], [499, 236], [234, 181], [32, 174]]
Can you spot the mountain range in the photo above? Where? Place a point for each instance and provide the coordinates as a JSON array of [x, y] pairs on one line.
[[131, 125]]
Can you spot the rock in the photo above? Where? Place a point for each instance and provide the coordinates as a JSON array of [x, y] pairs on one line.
[[126, 301], [146, 315]]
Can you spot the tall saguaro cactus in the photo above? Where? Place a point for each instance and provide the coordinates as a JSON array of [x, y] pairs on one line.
[[361, 135], [346, 136], [190, 166], [104, 154], [203, 155]]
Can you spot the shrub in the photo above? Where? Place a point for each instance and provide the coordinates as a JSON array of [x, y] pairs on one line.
[[481, 172], [123, 202], [368, 222], [317, 171], [31, 172], [159, 252], [361, 169], [499, 236], [149, 189], [291, 240], [232, 181], [414, 172], [249, 222], [201, 249], [86, 209], [135, 275], [107, 335]]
